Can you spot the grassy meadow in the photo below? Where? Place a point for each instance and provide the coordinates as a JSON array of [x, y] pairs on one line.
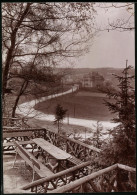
[[81, 104]]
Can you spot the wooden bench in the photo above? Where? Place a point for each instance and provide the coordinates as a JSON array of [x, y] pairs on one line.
[[17, 134], [35, 164], [21, 143], [74, 160], [77, 161], [10, 146]]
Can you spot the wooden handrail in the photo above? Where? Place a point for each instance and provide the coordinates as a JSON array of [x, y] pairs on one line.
[[43, 180], [10, 127], [71, 186], [24, 129], [83, 144], [69, 139], [126, 168], [11, 118]]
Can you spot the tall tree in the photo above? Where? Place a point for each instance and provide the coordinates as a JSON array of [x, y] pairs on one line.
[[44, 34], [32, 82], [121, 148], [25, 25]]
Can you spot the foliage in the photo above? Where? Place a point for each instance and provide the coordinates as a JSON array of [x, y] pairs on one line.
[[34, 35], [121, 147], [96, 139], [59, 115], [37, 32], [97, 135], [31, 81], [124, 22]]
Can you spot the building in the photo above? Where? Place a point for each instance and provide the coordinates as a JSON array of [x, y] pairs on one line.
[[92, 80]]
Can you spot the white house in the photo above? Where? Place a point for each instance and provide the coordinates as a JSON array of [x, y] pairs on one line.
[[92, 80]]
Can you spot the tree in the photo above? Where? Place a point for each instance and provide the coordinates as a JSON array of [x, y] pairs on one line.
[[34, 82], [125, 23], [59, 115], [25, 25], [43, 34], [121, 148], [97, 137]]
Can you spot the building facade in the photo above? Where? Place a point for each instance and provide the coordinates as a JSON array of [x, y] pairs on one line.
[[92, 80]]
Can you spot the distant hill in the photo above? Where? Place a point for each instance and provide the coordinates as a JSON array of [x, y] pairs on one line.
[[107, 72], [103, 71]]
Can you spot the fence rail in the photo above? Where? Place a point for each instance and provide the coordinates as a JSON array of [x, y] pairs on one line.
[[110, 184], [14, 122], [105, 180], [80, 150], [61, 178], [79, 178]]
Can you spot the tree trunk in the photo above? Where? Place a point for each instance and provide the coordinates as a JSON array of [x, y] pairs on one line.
[[23, 88], [11, 49], [58, 127], [15, 106]]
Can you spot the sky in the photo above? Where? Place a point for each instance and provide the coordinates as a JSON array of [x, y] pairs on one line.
[[110, 49]]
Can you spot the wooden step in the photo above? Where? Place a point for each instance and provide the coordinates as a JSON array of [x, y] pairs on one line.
[[74, 160]]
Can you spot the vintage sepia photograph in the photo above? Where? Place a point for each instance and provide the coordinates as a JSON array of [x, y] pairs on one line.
[[68, 97]]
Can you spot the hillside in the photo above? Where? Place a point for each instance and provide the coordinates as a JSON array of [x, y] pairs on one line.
[[104, 71], [78, 73]]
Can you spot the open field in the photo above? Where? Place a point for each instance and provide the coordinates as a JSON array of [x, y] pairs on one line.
[[65, 128], [79, 105], [92, 94]]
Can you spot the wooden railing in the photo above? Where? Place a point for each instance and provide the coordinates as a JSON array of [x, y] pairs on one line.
[[76, 148], [59, 179], [116, 178], [112, 179], [14, 122]]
